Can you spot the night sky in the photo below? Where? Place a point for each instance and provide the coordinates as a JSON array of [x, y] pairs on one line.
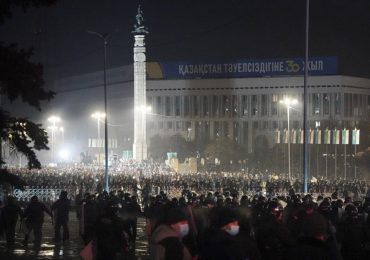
[[192, 30]]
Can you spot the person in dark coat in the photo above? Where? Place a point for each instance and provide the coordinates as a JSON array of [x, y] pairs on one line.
[[272, 235], [111, 240], [311, 243], [34, 215], [89, 215], [166, 240], [221, 242], [61, 213], [351, 234], [9, 220]]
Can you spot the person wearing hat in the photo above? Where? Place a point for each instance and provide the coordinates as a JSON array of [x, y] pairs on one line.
[[221, 242], [166, 240], [61, 212]]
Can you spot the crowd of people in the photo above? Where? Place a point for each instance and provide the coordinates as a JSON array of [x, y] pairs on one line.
[[152, 177], [209, 215]]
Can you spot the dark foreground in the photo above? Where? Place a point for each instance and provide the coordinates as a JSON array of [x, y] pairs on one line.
[[68, 250]]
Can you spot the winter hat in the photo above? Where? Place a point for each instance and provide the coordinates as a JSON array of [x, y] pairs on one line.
[[174, 215], [225, 216]]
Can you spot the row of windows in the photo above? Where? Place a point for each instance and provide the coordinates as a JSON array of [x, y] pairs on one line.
[[231, 106]]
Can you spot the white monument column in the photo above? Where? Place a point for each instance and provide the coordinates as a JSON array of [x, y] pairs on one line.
[[140, 108]]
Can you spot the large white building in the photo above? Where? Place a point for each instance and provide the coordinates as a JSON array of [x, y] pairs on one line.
[[237, 100]]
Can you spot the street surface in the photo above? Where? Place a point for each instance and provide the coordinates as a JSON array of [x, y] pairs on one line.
[[69, 250]]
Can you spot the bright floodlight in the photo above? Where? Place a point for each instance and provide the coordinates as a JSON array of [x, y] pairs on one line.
[[54, 119], [144, 109], [64, 154], [289, 101], [98, 115]]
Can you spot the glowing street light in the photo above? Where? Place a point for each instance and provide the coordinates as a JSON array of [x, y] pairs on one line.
[[288, 102]]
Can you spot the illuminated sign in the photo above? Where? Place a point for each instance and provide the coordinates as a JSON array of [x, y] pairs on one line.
[[241, 69]]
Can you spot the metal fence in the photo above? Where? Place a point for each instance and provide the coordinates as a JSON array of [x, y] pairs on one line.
[[44, 194]]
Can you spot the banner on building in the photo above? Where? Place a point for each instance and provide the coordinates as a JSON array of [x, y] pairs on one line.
[[311, 137], [241, 68], [285, 137], [345, 136], [336, 136], [318, 136], [327, 136], [300, 136], [277, 136], [356, 136], [293, 136]]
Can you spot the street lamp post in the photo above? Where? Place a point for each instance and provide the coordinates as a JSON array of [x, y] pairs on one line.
[[104, 37], [98, 116], [288, 102]]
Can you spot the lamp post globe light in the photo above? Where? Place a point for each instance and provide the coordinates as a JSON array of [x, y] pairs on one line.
[[288, 102], [98, 116], [104, 37]]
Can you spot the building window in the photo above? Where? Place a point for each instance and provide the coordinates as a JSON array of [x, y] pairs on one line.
[[158, 105], [149, 101], [160, 125], [178, 125], [177, 106], [348, 104], [274, 105], [205, 106], [216, 130], [326, 103], [215, 106], [225, 106], [245, 132], [168, 106], [245, 104], [315, 104], [236, 131], [169, 125], [356, 107], [196, 105], [337, 103], [186, 106], [264, 105], [226, 129], [254, 105], [234, 106]]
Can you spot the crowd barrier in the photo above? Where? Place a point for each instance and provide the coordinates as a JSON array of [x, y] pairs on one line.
[[44, 194]]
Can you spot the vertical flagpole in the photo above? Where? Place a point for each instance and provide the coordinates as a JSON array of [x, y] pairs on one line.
[[305, 110]]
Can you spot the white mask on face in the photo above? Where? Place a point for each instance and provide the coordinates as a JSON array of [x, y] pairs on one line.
[[233, 231], [184, 230]]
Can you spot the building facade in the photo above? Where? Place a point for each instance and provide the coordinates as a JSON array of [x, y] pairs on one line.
[[237, 106]]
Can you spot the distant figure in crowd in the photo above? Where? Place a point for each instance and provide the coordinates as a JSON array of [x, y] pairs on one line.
[[61, 208], [9, 219], [34, 219]]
